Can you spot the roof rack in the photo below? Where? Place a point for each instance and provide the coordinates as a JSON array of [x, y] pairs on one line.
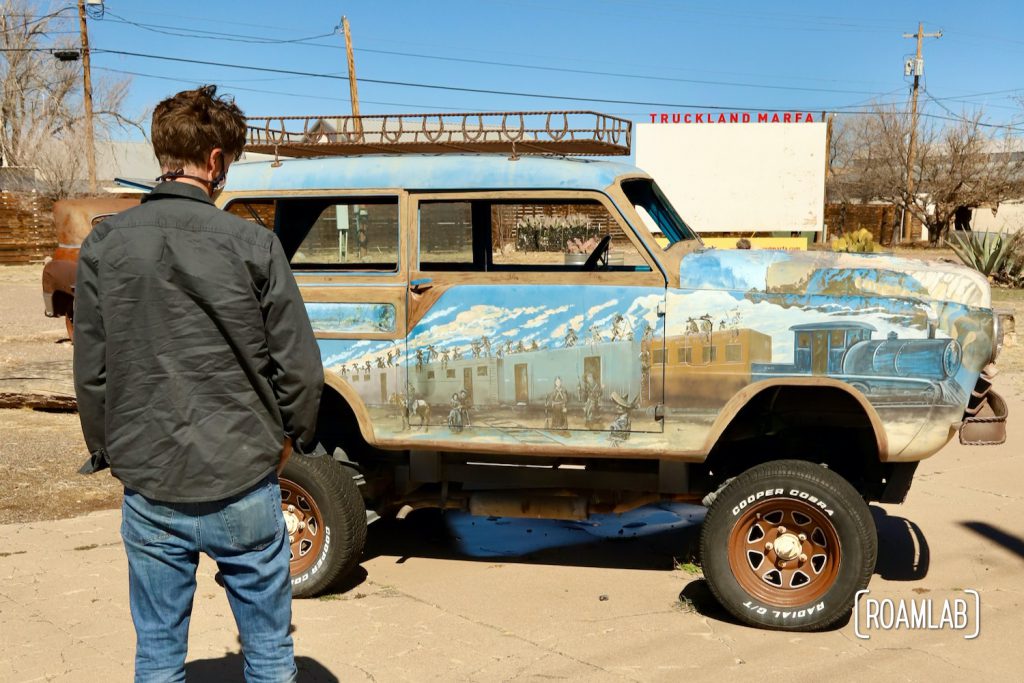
[[576, 133]]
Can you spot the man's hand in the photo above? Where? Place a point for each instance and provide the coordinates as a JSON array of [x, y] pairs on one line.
[[286, 452]]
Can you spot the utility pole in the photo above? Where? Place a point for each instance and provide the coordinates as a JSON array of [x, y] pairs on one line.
[[90, 143], [918, 69], [353, 88], [823, 235]]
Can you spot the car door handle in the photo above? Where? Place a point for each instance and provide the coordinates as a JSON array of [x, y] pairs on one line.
[[421, 284]]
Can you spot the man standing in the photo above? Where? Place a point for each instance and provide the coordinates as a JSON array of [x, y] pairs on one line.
[[196, 370]]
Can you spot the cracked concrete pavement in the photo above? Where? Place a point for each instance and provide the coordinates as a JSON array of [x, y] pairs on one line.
[[421, 608]]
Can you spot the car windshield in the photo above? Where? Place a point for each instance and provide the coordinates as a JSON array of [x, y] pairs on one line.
[[657, 213]]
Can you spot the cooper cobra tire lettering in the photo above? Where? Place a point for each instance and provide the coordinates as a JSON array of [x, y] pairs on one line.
[[792, 493]]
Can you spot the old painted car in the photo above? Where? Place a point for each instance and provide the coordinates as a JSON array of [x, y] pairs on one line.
[[472, 364]]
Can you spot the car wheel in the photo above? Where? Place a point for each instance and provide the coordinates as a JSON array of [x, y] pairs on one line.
[[787, 545], [326, 521]]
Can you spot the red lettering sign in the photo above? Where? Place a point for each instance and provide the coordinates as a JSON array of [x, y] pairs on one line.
[[732, 117]]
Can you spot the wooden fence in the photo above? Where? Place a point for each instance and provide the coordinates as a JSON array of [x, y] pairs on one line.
[[27, 233], [879, 219]]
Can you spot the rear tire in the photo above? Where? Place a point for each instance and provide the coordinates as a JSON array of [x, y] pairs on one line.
[[326, 521], [787, 545]]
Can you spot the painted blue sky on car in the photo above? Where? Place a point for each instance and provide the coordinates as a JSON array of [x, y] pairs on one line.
[[534, 313], [815, 273], [762, 290], [544, 314]]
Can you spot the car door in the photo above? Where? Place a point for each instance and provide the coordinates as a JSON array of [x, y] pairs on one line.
[[511, 338], [346, 254]]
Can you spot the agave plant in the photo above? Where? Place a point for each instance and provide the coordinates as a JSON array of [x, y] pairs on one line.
[[986, 252]]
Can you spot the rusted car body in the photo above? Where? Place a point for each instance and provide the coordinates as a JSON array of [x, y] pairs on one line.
[[74, 218]]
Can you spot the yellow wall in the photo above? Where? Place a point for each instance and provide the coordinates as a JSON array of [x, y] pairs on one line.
[[781, 243]]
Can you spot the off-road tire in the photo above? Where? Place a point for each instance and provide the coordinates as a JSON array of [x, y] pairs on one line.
[[326, 499], [826, 548]]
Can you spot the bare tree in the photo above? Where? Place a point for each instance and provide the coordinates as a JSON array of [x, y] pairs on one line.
[[958, 164], [963, 165], [41, 115], [865, 159]]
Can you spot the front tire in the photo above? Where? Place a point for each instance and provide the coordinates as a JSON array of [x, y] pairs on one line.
[[326, 521], [787, 545]]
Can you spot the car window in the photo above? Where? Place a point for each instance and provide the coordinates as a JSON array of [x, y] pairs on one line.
[[524, 235], [556, 235], [657, 213], [350, 233], [446, 236], [259, 211]]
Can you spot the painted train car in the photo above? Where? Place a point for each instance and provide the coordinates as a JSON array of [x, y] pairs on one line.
[[889, 371]]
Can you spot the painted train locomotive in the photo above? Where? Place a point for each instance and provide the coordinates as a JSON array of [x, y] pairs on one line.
[[889, 371]]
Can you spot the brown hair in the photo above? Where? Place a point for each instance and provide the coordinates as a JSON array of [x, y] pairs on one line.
[[188, 126]]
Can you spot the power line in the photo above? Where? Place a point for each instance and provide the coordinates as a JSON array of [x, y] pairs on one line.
[[216, 35], [847, 109], [615, 74], [666, 105], [960, 117], [451, 88], [803, 17], [759, 22], [230, 85]]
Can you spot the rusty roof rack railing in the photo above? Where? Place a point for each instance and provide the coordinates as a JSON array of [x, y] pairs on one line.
[[575, 133]]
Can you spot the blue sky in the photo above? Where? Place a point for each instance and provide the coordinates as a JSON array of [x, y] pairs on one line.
[[796, 56]]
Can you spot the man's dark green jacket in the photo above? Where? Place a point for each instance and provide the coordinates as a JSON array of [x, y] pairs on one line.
[[194, 356]]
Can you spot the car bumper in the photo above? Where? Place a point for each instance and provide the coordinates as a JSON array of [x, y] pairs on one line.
[[984, 422]]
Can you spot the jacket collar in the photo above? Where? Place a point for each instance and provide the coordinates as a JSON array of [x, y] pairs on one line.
[[174, 189]]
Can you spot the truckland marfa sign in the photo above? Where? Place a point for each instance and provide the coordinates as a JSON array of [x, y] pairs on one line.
[[726, 173]]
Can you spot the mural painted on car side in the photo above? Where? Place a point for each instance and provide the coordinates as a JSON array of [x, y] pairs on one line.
[[588, 365], [483, 365], [351, 317], [874, 322]]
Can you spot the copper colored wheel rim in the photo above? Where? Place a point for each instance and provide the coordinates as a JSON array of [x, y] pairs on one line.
[[305, 525], [784, 552]]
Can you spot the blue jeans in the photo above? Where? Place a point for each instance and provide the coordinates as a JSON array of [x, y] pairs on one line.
[[246, 536]]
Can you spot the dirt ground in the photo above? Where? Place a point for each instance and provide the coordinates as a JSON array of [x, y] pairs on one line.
[[40, 451], [456, 598]]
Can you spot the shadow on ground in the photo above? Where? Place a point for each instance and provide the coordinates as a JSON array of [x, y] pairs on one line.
[[656, 537], [696, 596], [228, 669], [903, 553], [1013, 543], [653, 537]]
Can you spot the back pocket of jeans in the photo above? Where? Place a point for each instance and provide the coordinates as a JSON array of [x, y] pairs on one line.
[[143, 521], [254, 521]]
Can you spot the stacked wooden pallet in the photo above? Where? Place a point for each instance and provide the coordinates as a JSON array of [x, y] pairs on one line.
[[27, 234]]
